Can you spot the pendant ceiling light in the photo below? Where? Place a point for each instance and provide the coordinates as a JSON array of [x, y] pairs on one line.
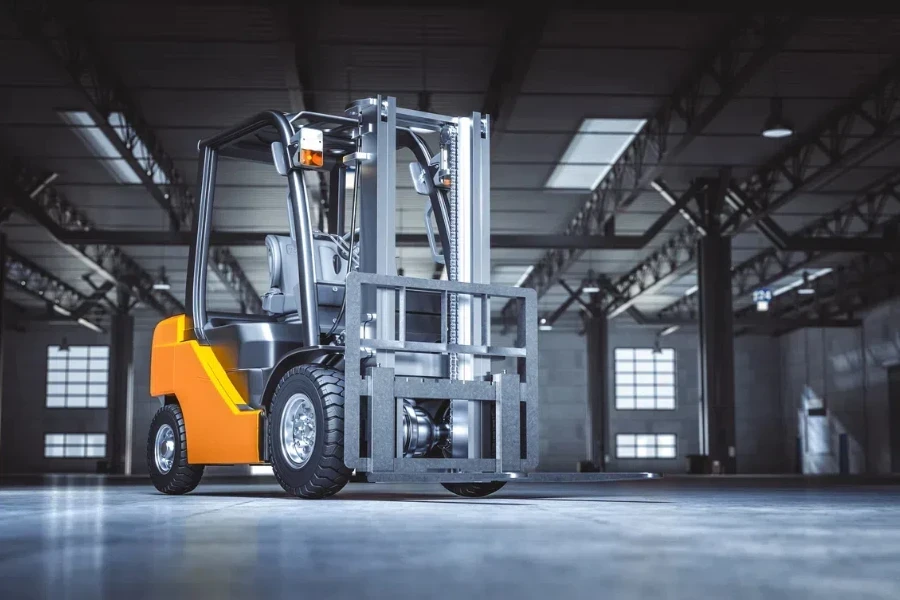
[[775, 125]]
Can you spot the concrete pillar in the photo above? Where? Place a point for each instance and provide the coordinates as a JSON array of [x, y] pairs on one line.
[[717, 421], [121, 388], [598, 368]]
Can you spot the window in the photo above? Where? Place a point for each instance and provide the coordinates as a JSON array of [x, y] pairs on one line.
[[76, 377], [74, 445], [645, 379], [645, 445]]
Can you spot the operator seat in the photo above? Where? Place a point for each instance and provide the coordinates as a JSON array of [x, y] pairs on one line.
[[281, 300], [284, 278]]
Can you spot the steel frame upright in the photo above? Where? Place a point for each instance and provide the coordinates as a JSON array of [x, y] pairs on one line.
[[717, 417]]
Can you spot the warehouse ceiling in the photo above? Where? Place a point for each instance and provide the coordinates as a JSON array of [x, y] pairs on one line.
[[193, 68]]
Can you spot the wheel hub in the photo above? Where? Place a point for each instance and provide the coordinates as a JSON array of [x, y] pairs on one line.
[[298, 430], [164, 449]]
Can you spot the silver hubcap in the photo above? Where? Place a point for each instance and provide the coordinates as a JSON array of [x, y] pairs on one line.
[[298, 430], [164, 448]]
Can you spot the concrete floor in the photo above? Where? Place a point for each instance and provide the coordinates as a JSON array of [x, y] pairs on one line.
[[673, 538]]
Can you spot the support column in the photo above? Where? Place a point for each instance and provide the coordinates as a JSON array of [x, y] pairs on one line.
[[598, 368], [121, 388], [717, 426]]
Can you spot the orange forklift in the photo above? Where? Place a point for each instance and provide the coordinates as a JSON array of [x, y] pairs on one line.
[[352, 367]]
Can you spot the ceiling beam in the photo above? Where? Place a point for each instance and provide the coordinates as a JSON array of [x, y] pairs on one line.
[[40, 202], [816, 157], [143, 237], [875, 211], [718, 75], [23, 275], [56, 28], [846, 292], [519, 41]]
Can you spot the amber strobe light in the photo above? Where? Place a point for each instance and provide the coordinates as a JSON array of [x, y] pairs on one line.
[[312, 145]]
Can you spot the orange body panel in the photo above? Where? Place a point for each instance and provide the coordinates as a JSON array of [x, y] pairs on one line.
[[218, 430]]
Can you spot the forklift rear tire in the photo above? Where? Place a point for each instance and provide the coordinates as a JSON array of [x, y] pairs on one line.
[[474, 490], [306, 432], [167, 453]]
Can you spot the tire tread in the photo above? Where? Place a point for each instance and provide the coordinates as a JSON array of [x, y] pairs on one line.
[[186, 476], [330, 474]]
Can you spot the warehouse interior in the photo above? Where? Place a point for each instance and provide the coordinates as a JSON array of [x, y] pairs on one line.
[[707, 205]]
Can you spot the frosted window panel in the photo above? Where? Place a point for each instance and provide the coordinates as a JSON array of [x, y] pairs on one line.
[[624, 367], [77, 389], [624, 390], [56, 401], [665, 403], [78, 352], [99, 352], [625, 378], [96, 438], [96, 401], [645, 404], [56, 364], [644, 367], [74, 451], [626, 452], [644, 379], [645, 391], [97, 389], [78, 364], [665, 367], [76, 402], [624, 353], [665, 439], [646, 440], [96, 451], [666, 390], [76, 438], [77, 376], [99, 376], [54, 452], [665, 378], [625, 403], [666, 452], [625, 439], [643, 452], [54, 438], [56, 376], [54, 352], [643, 354], [668, 354], [56, 389]]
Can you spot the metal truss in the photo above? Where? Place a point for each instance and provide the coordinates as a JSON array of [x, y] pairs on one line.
[[843, 293], [665, 265], [118, 117], [24, 275], [744, 48], [39, 200], [849, 134], [873, 216]]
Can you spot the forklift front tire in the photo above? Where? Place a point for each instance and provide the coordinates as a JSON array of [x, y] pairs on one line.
[[306, 432], [167, 453]]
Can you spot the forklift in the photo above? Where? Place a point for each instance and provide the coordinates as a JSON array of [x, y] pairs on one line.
[[352, 369]]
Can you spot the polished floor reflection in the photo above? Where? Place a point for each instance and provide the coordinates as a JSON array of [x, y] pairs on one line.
[[92, 538]]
